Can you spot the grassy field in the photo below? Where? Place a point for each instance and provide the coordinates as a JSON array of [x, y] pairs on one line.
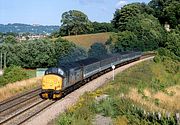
[[87, 40], [134, 97]]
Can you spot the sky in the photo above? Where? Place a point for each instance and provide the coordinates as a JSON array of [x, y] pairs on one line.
[[48, 12]]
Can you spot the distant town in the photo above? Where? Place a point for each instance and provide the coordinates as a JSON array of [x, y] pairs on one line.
[[26, 28]]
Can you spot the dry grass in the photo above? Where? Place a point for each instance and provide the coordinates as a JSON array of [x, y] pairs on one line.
[[167, 102], [171, 102], [87, 40], [135, 96], [15, 88]]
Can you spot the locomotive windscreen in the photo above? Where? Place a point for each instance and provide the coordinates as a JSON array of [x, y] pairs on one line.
[[54, 71]]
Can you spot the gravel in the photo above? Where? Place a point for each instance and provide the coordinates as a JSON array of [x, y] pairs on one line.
[[62, 105]]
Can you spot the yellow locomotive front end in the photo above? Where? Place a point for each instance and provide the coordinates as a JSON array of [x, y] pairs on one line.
[[51, 86]]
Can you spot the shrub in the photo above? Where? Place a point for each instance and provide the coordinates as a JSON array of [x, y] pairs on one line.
[[12, 74]]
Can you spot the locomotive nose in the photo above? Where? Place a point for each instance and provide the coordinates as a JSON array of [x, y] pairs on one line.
[[51, 86]]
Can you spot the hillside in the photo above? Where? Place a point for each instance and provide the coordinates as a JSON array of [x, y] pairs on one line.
[[24, 28], [141, 95], [88, 39]]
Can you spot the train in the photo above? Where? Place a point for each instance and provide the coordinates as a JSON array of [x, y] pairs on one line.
[[58, 80]]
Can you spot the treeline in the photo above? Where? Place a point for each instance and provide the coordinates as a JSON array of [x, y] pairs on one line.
[[75, 22], [136, 26], [140, 28], [41, 53]]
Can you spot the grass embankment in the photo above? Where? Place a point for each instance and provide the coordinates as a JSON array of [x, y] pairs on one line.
[[12, 89], [16, 80], [87, 40], [148, 87]]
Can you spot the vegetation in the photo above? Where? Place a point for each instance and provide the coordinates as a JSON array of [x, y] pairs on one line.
[[75, 22], [126, 13], [12, 74], [97, 50], [87, 40], [12, 89], [39, 53], [10, 39], [122, 103], [167, 11]]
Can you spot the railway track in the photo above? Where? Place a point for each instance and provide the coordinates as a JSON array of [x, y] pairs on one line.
[[10, 107], [24, 114], [19, 109], [18, 99]]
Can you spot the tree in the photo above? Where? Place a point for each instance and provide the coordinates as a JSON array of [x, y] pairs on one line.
[[102, 27], [126, 13], [173, 42], [75, 22], [10, 39], [148, 30], [166, 11], [125, 41], [97, 50]]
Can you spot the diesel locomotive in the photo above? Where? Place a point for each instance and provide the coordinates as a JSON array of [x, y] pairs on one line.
[[57, 80]]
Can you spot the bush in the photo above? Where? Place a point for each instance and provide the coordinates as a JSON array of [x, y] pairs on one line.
[[12, 74], [163, 52]]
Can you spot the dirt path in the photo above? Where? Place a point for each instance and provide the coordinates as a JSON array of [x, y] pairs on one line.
[[60, 106]]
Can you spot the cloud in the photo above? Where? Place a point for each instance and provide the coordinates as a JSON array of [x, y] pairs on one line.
[[121, 3]]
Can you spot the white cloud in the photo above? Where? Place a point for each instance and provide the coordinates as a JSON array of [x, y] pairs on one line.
[[121, 3]]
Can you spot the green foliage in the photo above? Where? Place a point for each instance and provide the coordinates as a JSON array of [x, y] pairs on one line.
[[143, 32], [40, 53], [10, 39], [127, 12], [166, 11], [102, 27], [75, 22], [125, 41], [163, 53], [97, 50], [147, 75], [12, 74], [148, 30], [78, 114], [173, 42]]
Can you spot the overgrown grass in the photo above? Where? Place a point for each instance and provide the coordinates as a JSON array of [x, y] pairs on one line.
[[12, 89], [126, 106]]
